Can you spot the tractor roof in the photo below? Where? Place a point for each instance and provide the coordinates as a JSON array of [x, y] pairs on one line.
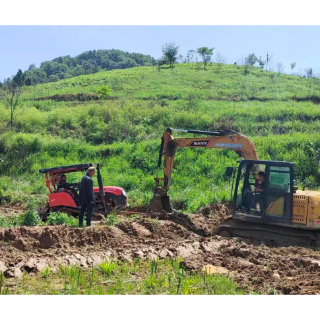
[[65, 169]]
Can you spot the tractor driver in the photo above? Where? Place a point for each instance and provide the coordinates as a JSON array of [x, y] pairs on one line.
[[69, 187]]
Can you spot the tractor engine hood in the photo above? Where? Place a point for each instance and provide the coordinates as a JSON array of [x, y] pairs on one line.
[[111, 189]]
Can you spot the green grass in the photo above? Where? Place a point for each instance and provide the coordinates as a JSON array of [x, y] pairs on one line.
[[118, 278], [123, 132], [31, 218]]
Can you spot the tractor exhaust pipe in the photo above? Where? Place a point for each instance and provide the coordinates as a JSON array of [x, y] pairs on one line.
[[101, 190]]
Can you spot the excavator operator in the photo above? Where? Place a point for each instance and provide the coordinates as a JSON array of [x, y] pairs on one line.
[[260, 183], [254, 199]]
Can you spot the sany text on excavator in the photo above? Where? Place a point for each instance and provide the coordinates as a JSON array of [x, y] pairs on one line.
[[278, 212]]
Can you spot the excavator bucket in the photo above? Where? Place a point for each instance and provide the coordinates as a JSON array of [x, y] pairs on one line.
[[160, 203]]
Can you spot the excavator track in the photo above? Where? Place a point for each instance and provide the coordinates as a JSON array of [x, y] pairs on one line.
[[270, 234]]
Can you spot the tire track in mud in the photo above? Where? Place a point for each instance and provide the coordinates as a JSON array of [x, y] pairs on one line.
[[289, 270]]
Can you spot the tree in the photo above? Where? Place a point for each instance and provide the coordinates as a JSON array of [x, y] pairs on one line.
[[54, 78], [32, 67], [87, 66], [220, 59], [52, 67], [11, 92], [19, 78], [309, 73], [261, 63], [170, 52], [35, 76], [189, 57], [77, 71], [271, 67], [251, 59], [268, 61], [280, 68], [160, 62], [205, 54], [292, 66]]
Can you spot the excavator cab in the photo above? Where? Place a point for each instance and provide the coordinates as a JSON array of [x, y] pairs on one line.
[[271, 203]]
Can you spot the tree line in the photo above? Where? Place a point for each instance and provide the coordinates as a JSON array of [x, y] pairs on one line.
[[206, 55], [85, 63]]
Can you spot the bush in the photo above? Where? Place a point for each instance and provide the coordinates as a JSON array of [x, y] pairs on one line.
[[105, 91], [31, 217], [54, 78], [112, 219], [58, 218], [11, 221]]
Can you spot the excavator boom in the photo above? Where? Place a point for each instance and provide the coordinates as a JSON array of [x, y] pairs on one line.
[[222, 139]]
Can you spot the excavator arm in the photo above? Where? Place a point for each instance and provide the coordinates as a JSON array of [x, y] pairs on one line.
[[225, 139]]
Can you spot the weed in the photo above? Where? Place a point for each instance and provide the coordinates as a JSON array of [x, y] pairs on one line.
[[107, 267], [58, 218], [272, 291], [45, 272], [3, 288], [112, 219]]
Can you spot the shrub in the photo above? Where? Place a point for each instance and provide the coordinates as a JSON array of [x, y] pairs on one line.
[[31, 217], [57, 218]]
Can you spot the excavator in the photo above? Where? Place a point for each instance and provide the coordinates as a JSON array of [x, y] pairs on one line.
[[278, 213]]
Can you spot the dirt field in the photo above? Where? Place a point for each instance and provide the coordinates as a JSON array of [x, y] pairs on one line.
[[255, 267]]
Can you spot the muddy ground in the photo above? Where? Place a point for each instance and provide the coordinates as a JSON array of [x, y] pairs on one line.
[[254, 266]]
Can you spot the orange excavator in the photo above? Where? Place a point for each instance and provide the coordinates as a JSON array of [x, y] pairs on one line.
[[265, 203]]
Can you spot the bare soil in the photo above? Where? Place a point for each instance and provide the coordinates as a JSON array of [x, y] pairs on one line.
[[254, 266]]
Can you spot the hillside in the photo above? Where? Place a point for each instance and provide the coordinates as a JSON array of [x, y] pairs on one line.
[[71, 121]]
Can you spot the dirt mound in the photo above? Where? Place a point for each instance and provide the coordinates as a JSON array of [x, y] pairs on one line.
[[255, 267]]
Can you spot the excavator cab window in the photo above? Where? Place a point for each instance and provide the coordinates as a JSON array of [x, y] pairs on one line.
[[279, 191], [247, 198]]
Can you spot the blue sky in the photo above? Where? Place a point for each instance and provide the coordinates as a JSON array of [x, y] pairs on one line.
[[33, 44]]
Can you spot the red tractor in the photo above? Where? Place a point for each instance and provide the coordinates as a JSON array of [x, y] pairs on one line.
[[61, 199]]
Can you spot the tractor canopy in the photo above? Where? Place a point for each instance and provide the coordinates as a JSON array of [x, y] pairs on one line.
[[65, 169], [56, 172]]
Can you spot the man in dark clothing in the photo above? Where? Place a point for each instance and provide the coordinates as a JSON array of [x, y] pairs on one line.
[[87, 197], [64, 186]]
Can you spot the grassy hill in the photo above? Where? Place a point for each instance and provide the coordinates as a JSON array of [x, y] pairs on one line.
[[69, 121]]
